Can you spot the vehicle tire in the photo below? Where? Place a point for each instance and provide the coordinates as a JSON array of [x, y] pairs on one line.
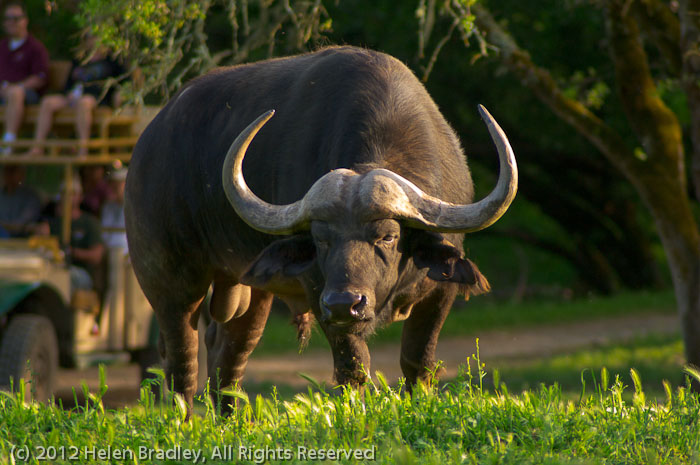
[[29, 350]]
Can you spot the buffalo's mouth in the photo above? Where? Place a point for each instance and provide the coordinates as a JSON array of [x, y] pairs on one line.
[[348, 324], [361, 328]]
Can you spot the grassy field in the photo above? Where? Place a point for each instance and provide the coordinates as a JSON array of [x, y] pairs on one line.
[[460, 422], [657, 359]]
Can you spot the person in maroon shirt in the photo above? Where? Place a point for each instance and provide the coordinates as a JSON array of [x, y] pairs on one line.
[[24, 64]]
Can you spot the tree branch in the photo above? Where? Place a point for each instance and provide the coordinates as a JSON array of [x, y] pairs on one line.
[[689, 13], [168, 43], [663, 29], [541, 82]]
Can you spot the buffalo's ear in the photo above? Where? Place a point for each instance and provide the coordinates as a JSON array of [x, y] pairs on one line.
[[280, 262], [445, 263]]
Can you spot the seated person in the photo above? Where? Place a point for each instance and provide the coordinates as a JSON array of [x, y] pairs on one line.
[[86, 250], [81, 92], [113, 211], [96, 189], [24, 65], [19, 204]]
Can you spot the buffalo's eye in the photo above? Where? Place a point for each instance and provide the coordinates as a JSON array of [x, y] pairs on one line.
[[386, 240]]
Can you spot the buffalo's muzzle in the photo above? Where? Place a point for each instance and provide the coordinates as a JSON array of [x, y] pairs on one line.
[[339, 308]]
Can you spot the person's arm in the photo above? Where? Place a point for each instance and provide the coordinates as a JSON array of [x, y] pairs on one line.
[[34, 82], [31, 209], [95, 249], [13, 228], [41, 228], [39, 69], [92, 255]]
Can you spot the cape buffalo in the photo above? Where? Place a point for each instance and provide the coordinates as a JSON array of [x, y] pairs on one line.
[[350, 206]]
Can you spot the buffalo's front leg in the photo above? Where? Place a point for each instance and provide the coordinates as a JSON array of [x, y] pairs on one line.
[[179, 346], [350, 359], [230, 344], [420, 334]]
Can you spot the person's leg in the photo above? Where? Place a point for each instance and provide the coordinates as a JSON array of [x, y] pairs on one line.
[[80, 278], [13, 96], [83, 121], [49, 105]]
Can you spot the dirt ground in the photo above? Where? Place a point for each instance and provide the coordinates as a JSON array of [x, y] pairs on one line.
[[123, 380]]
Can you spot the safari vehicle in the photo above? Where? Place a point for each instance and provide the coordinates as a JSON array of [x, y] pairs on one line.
[[44, 324]]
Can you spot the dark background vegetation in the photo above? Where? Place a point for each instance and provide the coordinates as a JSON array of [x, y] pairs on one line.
[[576, 226]]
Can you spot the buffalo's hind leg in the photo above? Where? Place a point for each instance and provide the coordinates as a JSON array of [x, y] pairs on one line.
[[420, 334], [230, 344]]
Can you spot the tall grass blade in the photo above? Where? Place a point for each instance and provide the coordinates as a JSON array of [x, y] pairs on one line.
[[236, 394], [639, 399], [669, 394], [313, 381], [604, 379], [693, 372]]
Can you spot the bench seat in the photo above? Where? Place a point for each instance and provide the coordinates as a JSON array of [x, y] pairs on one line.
[[112, 130]]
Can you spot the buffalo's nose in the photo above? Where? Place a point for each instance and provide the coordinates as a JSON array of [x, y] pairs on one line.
[[343, 307]]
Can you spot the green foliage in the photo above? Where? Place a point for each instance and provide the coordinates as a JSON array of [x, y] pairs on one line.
[[54, 24], [458, 13], [608, 236], [587, 89], [580, 216], [167, 41], [461, 422]]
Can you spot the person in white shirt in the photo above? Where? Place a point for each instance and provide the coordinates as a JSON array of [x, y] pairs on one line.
[[113, 212]]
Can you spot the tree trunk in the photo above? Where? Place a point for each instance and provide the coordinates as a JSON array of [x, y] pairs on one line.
[[661, 182], [678, 231], [657, 173], [690, 52]]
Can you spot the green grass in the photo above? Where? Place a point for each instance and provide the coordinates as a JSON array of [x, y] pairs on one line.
[[482, 313], [657, 359], [460, 422]]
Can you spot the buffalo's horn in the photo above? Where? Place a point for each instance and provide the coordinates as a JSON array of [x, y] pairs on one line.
[[256, 212], [414, 206], [266, 217], [424, 211]]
